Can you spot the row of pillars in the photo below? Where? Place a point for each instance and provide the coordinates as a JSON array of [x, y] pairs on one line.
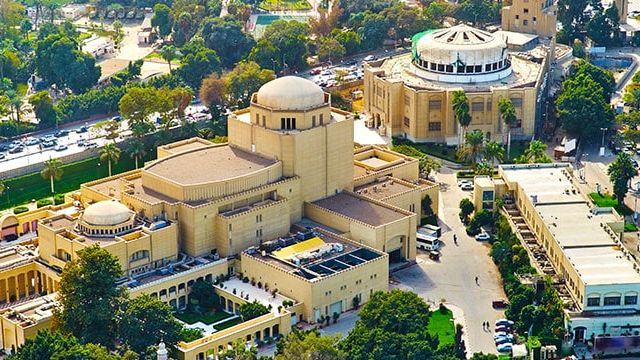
[[22, 285]]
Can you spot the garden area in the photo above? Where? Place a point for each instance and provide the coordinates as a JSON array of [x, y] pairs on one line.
[[608, 200], [441, 325], [276, 5]]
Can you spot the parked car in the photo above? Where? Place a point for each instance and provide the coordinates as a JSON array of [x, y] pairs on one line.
[[4, 147], [500, 304], [369, 58], [503, 328], [16, 149], [61, 133], [47, 138], [467, 187], [90, 145], [483, 236], [117, 118], [31, 141], [2, 156], [500, 334], [434, 255], [504, 340], [315, 71], [60, 147], [48, 144], [504, 322], [82, 129], [505, 348], [464, 182]]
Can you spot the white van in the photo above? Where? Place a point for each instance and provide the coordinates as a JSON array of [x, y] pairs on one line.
[[427, 242]]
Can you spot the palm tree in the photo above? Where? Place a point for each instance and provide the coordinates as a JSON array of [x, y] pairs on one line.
[[472, 148], [460, 105], [620, 171], [169, 53], [111, 153], [493, 152], [536, 152], [52, 171], [633, 98], [509, 118], [137, 150], [484, 169], [426, 165]]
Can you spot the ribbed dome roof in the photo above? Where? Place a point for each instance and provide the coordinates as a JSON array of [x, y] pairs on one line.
[[461, 43], [106, 213], [290, 93]]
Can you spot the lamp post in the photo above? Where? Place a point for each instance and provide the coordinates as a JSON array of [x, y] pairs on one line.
[[604, 130], [636, 194]]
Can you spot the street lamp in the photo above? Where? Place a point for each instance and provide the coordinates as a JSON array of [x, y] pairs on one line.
[[604, 130]]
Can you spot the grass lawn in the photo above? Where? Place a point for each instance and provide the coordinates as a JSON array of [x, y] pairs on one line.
[[228, 324], [630, 227], [607, 200], [23, 189], [209, 318], [441, 325], [285, 5], [419, 150]]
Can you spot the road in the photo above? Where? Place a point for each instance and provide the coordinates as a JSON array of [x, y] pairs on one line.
[[452, 279], [33, 154]]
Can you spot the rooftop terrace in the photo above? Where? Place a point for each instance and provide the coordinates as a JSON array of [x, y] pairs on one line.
[[32, 311]]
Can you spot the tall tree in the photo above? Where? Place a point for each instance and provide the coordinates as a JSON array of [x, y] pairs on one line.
[[137, 150], [472, 148], [291, 39], [226, 38], [110, 153], [536, 152], [494, 152], [599, 75], [509, 118], [89, 297], [212, 93], [146, 321], [460, 105], [162, 19], [330, 49], [620, 172], [44, 345], [169, 53], [309, 345], [197, 63], [52, 171], [244, 80], [583, 108], [43, 109]]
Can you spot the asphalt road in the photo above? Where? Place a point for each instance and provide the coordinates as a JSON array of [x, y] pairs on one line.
[[452, 279], [33, 154]]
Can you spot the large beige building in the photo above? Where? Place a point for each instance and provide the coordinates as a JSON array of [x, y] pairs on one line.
[[532, 17], [288, 203], [410, 96]]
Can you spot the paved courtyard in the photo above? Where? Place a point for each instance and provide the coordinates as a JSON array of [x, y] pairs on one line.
[[452, 279]]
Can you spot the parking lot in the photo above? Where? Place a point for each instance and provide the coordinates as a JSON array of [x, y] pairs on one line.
[[452, 278]]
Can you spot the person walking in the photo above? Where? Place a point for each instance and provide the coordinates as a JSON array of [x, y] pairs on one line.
[[477, 281], [455, 239]]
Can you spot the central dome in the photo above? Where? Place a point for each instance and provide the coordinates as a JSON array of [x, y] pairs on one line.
[[106, 213], [290, 93]]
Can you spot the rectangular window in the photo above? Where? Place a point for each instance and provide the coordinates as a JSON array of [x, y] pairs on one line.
[[407, 100], [517, 17], [441, 67], [460, 70], [406, 121], [525, 22], [526, 11], [593, 301], [631, 300], [435, 126], [288, 123], [487, 67], [449, 68], [469, 70], [435, 104], [264, 120], [489, 105], [487, 196], [321, 119], [293, 123], [257, 119], [282, 123], [478, 68], [535, 19], [477, 106], [611, 300], [517, 102], [432, 66], [313, 121]]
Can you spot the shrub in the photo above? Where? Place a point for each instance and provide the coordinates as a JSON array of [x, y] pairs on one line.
[[20, 210], [58, 199], [44, 202], [443, 309]]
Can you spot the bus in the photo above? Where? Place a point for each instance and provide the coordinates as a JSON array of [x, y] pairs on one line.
[[427, 242]]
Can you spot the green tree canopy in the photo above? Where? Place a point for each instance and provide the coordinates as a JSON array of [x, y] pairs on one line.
[[43, 109], [145, 321], [599, 75], [252, 310], [89, 297], [162, 19], [620, 171], [290, 38], [197, 62], [309, 345], [244, 80], [226, 38]]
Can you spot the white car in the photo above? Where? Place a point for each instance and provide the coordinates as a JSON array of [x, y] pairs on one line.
[[465, 182], [483, 237], [60, 147], [467, 187], [369, 58]]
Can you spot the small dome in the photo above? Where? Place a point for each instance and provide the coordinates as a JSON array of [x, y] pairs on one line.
[[106, 213], [290, 93]]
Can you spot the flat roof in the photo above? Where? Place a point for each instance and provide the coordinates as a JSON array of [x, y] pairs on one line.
[[186, 145], [525, 72], [262, 296], [516, 38], [360, 209], [16, 255], [547, 184], [208, 164], [380, 190], [603, 265], [573, 224]]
